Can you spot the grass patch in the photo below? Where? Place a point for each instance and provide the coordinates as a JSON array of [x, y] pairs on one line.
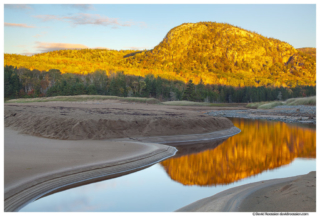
[[126, 99], [290, 102], [270, 105], [301, 101], [139, 100], [84, 98], [255, 105]]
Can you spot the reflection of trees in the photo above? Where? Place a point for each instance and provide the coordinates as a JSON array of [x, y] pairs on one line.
[[260, 146]]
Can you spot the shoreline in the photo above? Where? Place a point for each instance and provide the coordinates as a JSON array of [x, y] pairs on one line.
[[38, 176], [53, 145], [288, 114], [276, 195], [26, 188], [149, 148]]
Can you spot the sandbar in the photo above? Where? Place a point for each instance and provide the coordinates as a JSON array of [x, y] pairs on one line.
[[51, 146], [292, 194], [35, 166]]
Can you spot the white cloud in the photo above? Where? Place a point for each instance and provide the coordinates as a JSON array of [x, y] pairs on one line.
[[81, 6], [47, 17], [18, 25], [90, 19], [47, 47], [99, 48], [27, 53], [17, 6]]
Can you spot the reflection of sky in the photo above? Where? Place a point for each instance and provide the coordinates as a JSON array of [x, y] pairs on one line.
[[150, 190]]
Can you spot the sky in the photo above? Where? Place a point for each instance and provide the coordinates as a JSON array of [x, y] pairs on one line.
[[36, 28]]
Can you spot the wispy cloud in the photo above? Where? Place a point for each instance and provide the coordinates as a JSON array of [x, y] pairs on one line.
[[47, 47], [40, 35], [93, 19], [90, 19], [18, 25], [99, 48], [46, 18], [18, 6], [26, 53], [82, 7]]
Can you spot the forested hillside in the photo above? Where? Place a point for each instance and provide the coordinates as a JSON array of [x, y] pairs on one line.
[[22, 82], [215, 53]]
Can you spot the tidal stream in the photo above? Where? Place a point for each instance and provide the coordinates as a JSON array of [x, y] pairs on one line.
[[263, 150]]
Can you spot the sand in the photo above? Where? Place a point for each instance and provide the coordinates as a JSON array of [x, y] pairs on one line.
[[297, 195], [35, 166], [107, 119], [53, 146], [293, 194]]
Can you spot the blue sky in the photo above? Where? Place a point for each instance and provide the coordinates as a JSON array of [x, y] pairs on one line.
[[39, 28]]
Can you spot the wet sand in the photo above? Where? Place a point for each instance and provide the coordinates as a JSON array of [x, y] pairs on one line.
[[35, 165], [90, 141], [293, 194]]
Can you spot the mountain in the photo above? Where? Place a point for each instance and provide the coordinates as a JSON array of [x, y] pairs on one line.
[[308, 50], [215, 53]]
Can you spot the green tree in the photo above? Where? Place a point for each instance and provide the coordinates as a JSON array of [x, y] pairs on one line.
[[189, 93], [12, 84]]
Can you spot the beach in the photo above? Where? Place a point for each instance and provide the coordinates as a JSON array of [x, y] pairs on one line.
[[107, 119], [55, 146]]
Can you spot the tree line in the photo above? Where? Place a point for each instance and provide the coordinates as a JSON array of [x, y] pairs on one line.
[[25, 83]]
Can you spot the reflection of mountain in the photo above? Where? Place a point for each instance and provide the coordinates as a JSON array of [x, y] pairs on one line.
[[195, 148], [260, 146]]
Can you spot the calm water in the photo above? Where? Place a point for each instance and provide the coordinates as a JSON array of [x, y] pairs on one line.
[[263, 150]]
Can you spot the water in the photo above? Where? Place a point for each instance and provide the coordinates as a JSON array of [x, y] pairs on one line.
[[263, 150]]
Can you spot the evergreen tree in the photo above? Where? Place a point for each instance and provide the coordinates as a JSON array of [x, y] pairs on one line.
[[189, 93], [12, 84]]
